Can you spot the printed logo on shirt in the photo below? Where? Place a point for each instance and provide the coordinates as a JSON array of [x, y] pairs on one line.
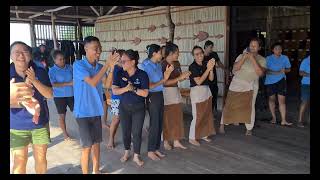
[[136, 81]]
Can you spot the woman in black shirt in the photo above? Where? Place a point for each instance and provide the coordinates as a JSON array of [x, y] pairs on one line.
[[201, 98]]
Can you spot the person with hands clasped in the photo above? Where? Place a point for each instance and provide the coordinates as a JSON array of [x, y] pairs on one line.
[[30, 88], [173, 127], [240, 102], [88, 100], [132, 84], [202, 73], [155, 102]]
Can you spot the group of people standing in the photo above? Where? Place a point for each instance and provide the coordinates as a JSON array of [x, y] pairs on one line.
[[153, 87]]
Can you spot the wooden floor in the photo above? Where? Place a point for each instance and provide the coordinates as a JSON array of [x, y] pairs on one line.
[[272, 149]]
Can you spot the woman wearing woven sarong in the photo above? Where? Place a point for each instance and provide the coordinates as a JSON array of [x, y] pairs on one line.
[[240, 102], [201, 97], [173, 127]]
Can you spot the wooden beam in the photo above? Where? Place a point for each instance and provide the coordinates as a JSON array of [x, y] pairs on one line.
[[35, 15], [53, 27], [48, 14], [111, 10], [40, 20], [171, 25], [57, 9], [32, 34], [17, 14], [268, 28], [94, 10], [136, 7]]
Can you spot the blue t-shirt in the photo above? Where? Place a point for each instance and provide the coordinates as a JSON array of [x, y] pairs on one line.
[[139, 79], [115, 71], [154, 71], [276, 64], [20, 118], [305, 66], [88, 100], [61, 75]]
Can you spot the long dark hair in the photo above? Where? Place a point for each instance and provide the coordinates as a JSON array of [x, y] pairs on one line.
[[151, 49]]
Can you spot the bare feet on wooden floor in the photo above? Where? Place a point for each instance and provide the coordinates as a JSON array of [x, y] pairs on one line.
[[167, 145], [137, 160], [194, 142], [159, 154], [177, 144], [125, 157], [153, 156]]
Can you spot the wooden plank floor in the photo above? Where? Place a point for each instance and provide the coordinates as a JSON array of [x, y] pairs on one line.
[[272, 149]]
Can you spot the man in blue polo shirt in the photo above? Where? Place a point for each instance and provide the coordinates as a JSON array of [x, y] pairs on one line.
[[305, 88], [277, 67], [88, 100], [26, 125]]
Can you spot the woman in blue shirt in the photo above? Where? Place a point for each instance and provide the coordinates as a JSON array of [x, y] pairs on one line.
[[61, 79], [277, 67], [305, 88], [132, 85], [155, 103]]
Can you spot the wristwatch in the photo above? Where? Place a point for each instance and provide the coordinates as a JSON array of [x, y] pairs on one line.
[[135, 89]]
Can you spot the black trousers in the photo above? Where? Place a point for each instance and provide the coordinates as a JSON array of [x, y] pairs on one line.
[[214, 91], [131, 120], [155, 108]]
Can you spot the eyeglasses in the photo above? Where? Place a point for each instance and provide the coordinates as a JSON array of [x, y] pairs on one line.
[[123, 61], [197, 54], [17, 53]]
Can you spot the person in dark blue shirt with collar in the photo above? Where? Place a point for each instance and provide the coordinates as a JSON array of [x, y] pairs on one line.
[[155, 102], [132, 85], [29, 116], [62, 81], [88, 100]]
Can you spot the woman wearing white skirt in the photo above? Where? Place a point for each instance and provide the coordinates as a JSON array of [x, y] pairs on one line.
[[201, 99]]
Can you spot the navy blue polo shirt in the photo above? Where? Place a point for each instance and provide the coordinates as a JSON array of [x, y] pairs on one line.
[[20, 118], [139, 79]]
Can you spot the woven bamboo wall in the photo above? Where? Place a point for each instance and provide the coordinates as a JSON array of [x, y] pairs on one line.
[[119, 30]]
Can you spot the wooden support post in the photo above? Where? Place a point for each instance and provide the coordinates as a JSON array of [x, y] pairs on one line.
[[101, 11], [268, 27], [171, 25], [53, 18], [32, 33]]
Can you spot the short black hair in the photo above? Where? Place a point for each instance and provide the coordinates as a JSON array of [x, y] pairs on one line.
[[90, 39], [170, 48], [207, 44], [55, 53], [133, 55], [152, 48], [22, 43], [257, 40], [276, 44], [196, 47]]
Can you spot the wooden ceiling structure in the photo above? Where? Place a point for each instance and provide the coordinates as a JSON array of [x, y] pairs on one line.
[[64, 15], [86, 15]]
